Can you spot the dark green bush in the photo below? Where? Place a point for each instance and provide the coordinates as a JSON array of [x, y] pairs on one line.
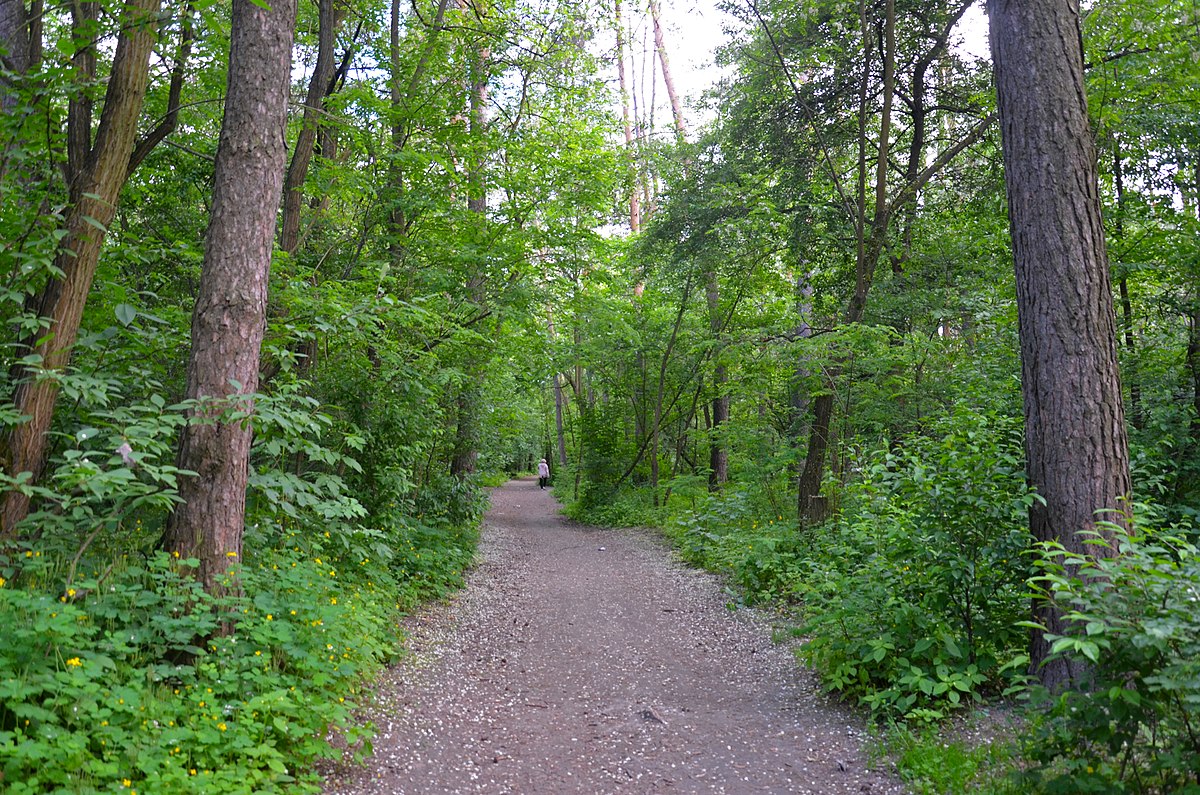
[[915, 591], [1135, 617]]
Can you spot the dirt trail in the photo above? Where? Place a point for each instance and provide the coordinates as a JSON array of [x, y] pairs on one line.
[[581, 660]]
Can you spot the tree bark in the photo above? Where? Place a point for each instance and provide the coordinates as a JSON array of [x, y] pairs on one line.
[[718, 452], [230, 313], [1074, 418], [174, 94], [97, 174], [14, 47], [559, 405], [660, 47], [1193, 365]]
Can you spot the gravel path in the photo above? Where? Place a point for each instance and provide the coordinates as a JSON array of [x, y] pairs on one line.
[[581, 660]]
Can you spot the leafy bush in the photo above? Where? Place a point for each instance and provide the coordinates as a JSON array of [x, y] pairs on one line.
[[915, 591], [126, 682], [727, 533], [1135, 726], [121, 674]]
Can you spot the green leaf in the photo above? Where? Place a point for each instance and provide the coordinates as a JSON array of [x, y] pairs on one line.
[[125, 314]]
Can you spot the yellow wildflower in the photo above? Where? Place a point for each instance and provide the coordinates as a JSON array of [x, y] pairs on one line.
[[74, 662]]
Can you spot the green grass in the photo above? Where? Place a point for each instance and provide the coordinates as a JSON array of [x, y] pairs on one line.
[[931, 763]]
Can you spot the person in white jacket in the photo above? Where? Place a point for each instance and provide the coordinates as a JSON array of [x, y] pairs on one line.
[[543, 474]]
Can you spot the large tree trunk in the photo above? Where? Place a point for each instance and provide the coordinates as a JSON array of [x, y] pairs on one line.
[[230, 312], [1074, 418], [98, 172]]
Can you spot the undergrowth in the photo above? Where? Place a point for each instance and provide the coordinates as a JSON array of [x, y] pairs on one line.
[[120, 674]]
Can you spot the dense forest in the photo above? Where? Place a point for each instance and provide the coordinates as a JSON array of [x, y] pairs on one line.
[[900, 340]]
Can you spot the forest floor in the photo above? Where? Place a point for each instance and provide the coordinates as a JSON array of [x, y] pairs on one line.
[[584, 660]]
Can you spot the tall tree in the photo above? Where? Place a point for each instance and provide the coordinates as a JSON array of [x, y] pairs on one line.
[[319, 86], [881, 87], [230, 312], [635, 211], [96, 170], [469, 401], [1074, 418]]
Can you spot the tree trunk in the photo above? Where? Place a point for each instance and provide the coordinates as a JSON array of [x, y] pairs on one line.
[[98, 172], [230, 313], [559, 405], [1074, 418], [635, 211], [174, 94], [1193, 347], [293, 185], [1193, 364], [718, 453], [661, 47], [1127, 325], [14, 41], [798, 400], [813, 508], [470, 398]]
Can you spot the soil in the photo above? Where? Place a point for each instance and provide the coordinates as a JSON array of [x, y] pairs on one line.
[[583, 660]]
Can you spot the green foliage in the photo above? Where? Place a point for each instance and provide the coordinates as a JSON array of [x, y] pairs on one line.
[[1131, 615], [724, 534], [126, 678], [933, 765], [604, 455], [121, 668], [914, 592]]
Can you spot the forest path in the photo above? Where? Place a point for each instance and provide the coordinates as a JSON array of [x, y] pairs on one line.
[[582, 660]]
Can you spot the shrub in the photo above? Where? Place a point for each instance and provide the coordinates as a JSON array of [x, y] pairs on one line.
[[915, 591], [125, 682], [1135, 726]]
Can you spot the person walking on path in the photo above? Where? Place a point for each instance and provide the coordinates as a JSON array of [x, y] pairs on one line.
[[543, 474]]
